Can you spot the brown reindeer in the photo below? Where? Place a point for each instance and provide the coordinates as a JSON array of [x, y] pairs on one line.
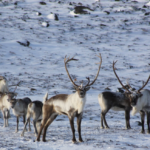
[[68, 104]]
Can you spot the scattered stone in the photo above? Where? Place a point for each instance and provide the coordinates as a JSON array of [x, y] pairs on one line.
[[53, 16], [45, 24], [33, 89], [38, 13], [148, 13], [80, 10], [42, 3], [103, 25], [25, 43], [107, 12], [15, 3]]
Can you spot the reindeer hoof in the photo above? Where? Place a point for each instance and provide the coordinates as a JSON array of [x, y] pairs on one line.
[[102, 127], [148, 131], [16, 131], [29, 129], [80, 140], [143, 132], [22, 135], [44, 140], [37, 140], [107, 127], [74, 141]]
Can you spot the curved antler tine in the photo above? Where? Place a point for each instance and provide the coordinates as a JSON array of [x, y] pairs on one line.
[[66, 60], [144, 84], [97, 71], [114, 62], [88, 81], [129, 84], [17, 85]]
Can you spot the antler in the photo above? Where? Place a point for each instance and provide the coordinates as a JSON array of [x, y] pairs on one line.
[[144, 84], [129, 84], [118, 77], [17, 85], [66, 60], [89, 84]]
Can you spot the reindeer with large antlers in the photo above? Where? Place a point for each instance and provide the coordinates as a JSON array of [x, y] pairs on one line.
[[71, 105], [120, 101], [140, 102]]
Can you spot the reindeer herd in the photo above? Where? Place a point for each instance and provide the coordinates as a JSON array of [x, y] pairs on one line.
[[72, 105]]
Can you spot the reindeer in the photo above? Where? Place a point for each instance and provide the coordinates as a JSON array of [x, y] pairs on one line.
[[117, 101], [5, 105], [141, 103], [19, 107], [35, 111], [68, 104], [3, 84]]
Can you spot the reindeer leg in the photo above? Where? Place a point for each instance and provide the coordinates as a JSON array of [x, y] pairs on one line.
[[103, 113], [142, 113], [35, 129], [7, 116], [71, 119], [79, 119], [46, 116], [17, 124], [29, 126], [148, 122], [4, 117], [127, 118], [102, 120], [22, 134], [50, 120], [24, 120], [41, 128]]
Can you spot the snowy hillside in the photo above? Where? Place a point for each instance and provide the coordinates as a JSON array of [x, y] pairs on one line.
[[33, 44]]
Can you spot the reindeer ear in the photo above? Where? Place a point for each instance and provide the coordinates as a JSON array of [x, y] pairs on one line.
[[87, 88], [140, 95], [76, 88]]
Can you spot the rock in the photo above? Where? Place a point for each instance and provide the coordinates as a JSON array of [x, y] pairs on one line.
[[38, 13], [53, 16], [80, 10], [107, 12], [24, 43], [148, 13], [45, 24], [42, 3]]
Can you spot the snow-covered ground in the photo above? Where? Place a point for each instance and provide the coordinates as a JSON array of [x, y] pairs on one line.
[[33, 52]]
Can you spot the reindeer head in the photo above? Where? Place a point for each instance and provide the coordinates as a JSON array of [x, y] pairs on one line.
[[80, 88], [11, 99], [131, 95]]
